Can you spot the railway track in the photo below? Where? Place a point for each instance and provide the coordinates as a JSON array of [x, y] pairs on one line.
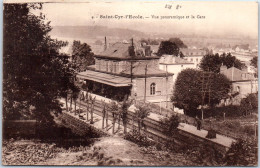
[[153, 128]]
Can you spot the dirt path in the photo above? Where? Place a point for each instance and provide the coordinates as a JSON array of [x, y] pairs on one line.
[[117, 151], [105, 151]]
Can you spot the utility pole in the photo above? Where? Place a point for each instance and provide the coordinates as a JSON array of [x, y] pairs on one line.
[[105, 47], [131, 68], [205, 89], [166, 86], [145, 73], [131, 71], [203, 95]]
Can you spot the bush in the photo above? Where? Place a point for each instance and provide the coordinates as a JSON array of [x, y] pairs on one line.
[[230, 111], [242, 153], [205, 155], [232, 124], [139, 139], [249, 104], [249, 129], [170, 125]]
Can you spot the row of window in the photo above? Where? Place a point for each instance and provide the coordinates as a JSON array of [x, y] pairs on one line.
[[191, 59], [195, 53]]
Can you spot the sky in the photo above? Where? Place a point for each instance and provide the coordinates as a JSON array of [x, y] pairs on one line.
[[221, 18]]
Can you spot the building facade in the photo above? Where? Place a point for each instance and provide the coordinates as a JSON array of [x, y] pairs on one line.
[[128, 70], [193, 55], [243, 83], [174, 65]]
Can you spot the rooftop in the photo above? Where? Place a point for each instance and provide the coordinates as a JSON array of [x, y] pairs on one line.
[[139, 71], [120, 51], [173, 60]]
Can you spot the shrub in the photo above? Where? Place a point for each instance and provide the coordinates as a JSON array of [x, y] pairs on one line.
[[170, 125], [249, 129], [249, 104], [139, 139], [232, 124], [204, 155], [242, 153]]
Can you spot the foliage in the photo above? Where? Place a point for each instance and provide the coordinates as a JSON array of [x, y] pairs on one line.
[[254, 61], [205, 155], [242, 153], [113, 107], [178, 42], [212, 63], [142, 111], [124, 108], [138, 138], [168, 48], [249, 104], [82, 56], [230, 111], [188, 90], [170, 125], [34, 73]]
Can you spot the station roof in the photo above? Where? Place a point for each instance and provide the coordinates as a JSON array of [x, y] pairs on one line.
[[109, 79], [120, 51]]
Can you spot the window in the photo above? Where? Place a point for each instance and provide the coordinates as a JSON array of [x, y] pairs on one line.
[[191, 59], [152, 89], [106, 63], [197, 60], [114, 66]]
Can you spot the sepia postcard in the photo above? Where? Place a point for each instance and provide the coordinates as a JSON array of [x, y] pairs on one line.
[[130, 83]]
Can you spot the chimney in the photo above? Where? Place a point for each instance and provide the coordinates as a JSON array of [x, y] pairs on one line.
[[132, 42], [105, 47]]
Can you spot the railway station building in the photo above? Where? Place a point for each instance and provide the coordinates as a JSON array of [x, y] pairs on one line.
[[131, 70]]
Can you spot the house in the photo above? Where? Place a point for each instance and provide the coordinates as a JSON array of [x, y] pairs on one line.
[[243, 83], [131, 70], [193, 55], [174, 65]]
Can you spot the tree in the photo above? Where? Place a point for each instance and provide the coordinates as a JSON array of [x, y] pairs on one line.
[[169, 48], [212, 63], [254, 61], [141, 112], [103, 114], [188, 90], [124, 108], [230, 61], [249, 104], [242, 153], [34, 74], [114, 108], [178, 42], [92, 105], [82, 56]]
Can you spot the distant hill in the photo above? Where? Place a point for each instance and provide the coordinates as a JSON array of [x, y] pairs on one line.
[[93, 32]]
